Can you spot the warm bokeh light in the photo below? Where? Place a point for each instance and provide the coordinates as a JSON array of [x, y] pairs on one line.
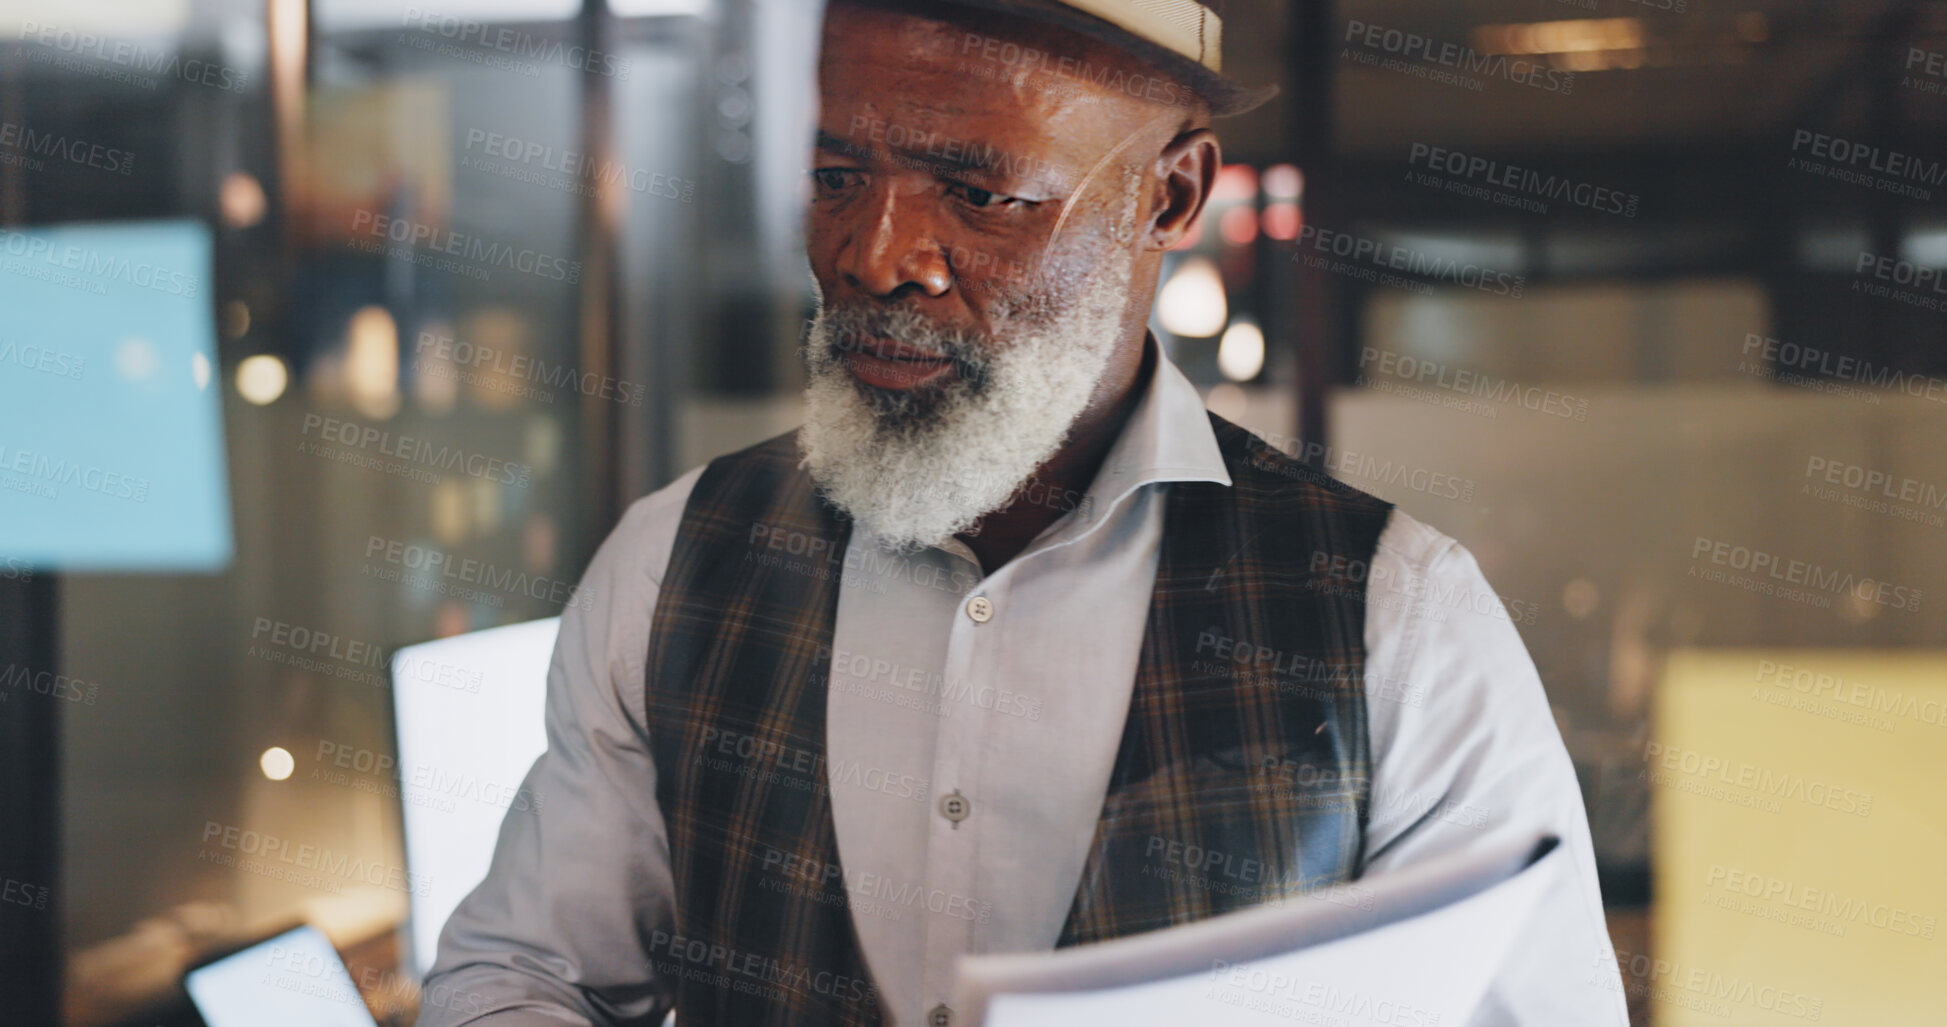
[[435, 379], [540, 543], [1598, 60], [372, 362], [451, 619], [1192, 303], [235, 318], [277, 763], [1239, 226], [262, 378], [1282, 221], [487, 505], [1240, 356], [1235, 182], [1585, 35], [1589, 44], [502, 330], [1284, 182], [1580, 598], [541, 444], [448, 514], [242, 200]]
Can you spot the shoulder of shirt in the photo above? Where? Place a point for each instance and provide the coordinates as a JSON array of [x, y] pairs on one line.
[[1251, 452], [1415, 561], [642, 540], [1416, 544], [645, 536]]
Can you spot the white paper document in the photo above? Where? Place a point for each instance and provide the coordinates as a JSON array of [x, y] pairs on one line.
[[1416, 948]]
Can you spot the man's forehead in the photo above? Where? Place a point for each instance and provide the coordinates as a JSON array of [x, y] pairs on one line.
[[954, 62], [894, 118]]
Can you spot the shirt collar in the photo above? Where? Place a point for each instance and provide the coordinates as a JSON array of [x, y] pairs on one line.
[[1168, 437]]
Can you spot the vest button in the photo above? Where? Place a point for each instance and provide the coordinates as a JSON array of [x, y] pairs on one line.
[[981, 609], [939, 1016], [955, 807]]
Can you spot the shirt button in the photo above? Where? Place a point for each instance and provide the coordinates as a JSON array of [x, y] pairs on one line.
[[939, 1016], [981, 609], [955, 807]]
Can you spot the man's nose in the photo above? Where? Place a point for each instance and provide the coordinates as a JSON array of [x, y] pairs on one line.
[[892, 245]]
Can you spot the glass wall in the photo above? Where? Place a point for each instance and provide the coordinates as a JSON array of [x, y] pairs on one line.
[[455, 288]]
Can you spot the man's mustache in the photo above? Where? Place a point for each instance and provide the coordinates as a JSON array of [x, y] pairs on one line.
[[866, 329]]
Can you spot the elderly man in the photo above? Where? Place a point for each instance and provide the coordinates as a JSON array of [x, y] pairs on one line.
[[979, 657]]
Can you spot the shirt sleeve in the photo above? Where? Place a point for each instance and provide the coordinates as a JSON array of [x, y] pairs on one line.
[[1466, 756], [559, 930]]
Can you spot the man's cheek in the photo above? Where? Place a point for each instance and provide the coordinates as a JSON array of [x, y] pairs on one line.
[[820, 255]]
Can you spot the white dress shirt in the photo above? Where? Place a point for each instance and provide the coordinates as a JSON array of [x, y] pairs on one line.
[[970, 747]]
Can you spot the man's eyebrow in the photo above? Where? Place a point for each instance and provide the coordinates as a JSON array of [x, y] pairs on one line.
[[833, 144], [953, 156]]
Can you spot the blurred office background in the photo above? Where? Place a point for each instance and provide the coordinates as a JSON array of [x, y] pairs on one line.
[[1631, 298]]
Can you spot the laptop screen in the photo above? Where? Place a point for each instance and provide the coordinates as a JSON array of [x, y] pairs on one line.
[[471, 716], [293, 980]]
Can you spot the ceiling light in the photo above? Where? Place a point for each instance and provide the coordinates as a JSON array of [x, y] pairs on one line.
[[1544, 37]]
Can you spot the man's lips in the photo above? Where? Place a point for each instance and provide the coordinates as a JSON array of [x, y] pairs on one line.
[[893, 349], [890, 364]]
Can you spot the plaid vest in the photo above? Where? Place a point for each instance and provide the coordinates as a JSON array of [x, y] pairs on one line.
[[1242, 776]]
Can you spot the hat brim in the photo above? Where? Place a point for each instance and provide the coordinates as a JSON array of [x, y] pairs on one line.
[[1227, 97]]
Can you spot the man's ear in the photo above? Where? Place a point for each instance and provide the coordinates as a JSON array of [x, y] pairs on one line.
[[1188, 171]]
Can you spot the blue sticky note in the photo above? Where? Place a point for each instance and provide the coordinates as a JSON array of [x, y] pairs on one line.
[[111, 420]]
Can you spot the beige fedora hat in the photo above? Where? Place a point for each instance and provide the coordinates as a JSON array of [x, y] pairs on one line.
[[1181, 37]]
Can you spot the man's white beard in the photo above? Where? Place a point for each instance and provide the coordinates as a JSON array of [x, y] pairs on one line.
[[916, 469]]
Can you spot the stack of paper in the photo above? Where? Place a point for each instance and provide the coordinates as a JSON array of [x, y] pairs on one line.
[[1413, 949]]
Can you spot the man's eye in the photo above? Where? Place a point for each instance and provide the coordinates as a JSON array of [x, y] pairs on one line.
[[833, 178], [982, 198]]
